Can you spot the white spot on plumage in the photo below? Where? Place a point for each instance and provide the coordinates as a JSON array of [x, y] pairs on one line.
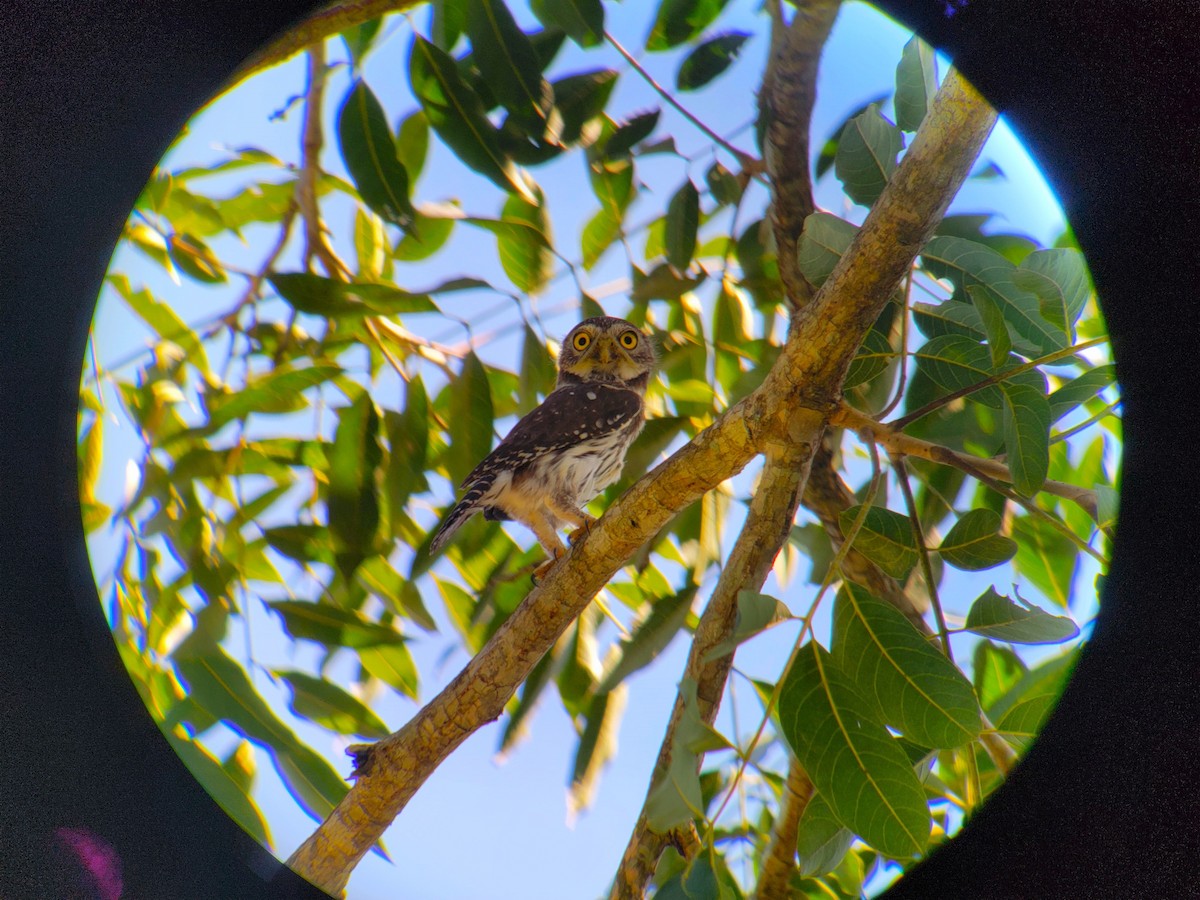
[[591, 395]]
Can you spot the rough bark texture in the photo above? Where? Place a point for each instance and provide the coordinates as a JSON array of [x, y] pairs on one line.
[[780, 860], [788, 411], [768, 523], [786, 100]]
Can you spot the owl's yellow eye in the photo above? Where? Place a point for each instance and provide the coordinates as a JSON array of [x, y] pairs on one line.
[[629, 340], [581, 341]]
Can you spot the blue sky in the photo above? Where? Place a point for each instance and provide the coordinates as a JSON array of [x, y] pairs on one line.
[[477, 829]]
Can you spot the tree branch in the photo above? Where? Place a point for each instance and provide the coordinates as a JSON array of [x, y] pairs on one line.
[[331, 20], [898, 442], [780, 860], [786, 100], [788, 411], [768, 523]]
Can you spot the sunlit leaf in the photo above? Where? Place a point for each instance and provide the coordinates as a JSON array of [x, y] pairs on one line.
[[195, 259], [974, 542], [1059, 279], [508, 62], [999, 341], [331, 625], [458, 116], [427, 236], [916, 83], [234, 798], [278, 391], [824, 239], [353, 498], [582, 20], [885, 537], [581, 98], [1046, 557], [852, 760], [1080, 389], [630, 132], [871, 360], [997, 669], [393, 665], [998, 617], [524, 246], [330, 706], [165, 322], [821, 839], [709, 60], [679, 21], [648, 639], [369, 151], [954, 362], [597, 746], [412, 144], [321, 296], [918, 690]]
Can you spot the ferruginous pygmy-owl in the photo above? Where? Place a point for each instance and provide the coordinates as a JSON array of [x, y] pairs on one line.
[[572, 446]]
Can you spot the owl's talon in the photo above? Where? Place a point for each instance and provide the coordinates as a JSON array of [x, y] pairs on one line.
[[541, 571], [583, 530]]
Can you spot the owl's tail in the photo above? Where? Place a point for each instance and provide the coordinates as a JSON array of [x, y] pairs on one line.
[[463, 510]]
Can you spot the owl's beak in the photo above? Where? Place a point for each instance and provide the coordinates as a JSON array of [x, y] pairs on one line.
[[605, 349]]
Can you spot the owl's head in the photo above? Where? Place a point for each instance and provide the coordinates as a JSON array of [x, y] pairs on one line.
[[609, 350]]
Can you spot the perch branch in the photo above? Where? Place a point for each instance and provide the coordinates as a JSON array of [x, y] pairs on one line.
[[788, 410]]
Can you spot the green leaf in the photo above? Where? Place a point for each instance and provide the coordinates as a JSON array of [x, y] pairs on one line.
[[1046, 557], [871, 360], [678, 21], [311, 780], [331, 625], [755, 613], [220, 785], [369, 151], [962, 260], [278, 391], [1026, 426], [353, 494], [194, 258], [597, 746], [408, 442], [821, 839], [470, 419], [164, 321], [393, 665], [997, 617], [918, 690], [822, 242], [581, 98], [916, 83], [531, 691], [449, 20], [320, 296], [683, 219], [999, 341], [397, 593], [974, 544], [885, 538], [677, 798], [663, 283], [359, 38], [709, 60], [598, 235], [524, 245], [538, 373], [997, 669], [954, 362], [457, 115], [853, 761], [427, 236], [648, 639], [866, 155], [582, 20], [724, 186], [630, 132], [412, 144], [508, 62], [331, 707], [1081, 389], [1059, 279]]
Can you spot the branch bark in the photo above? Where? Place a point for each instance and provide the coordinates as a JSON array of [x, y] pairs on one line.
[[768, 523], [899, 442], [788, 411], [333, 19], [788, 92], [780, 860]]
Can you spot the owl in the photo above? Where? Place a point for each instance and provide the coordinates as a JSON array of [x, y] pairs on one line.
[[572, 446]]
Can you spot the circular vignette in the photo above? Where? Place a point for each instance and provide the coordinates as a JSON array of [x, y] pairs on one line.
[[96, 98]]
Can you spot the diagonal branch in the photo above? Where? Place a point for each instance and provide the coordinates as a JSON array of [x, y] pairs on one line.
[[768, 523], [780, 860], [789, 410], [786, 100]]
